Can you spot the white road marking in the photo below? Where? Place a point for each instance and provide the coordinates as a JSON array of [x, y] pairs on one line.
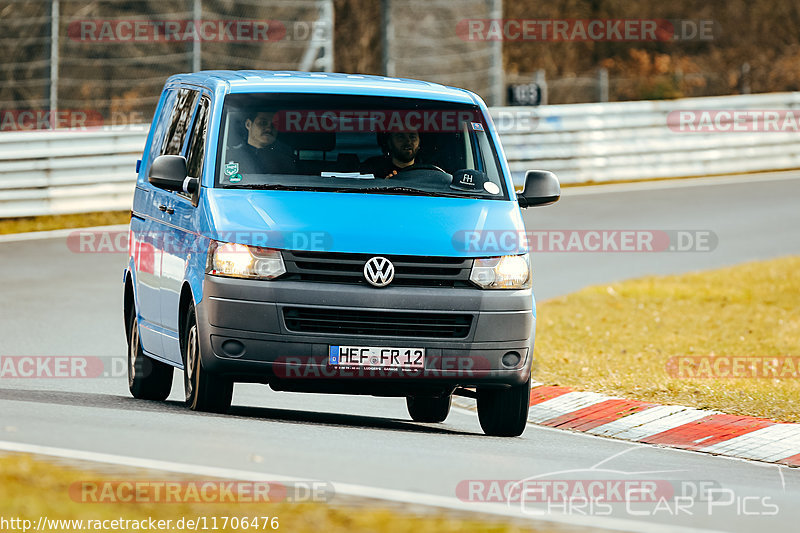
[[654, 427], [762, 444], [635, 420], [58, 233], [348, 489]]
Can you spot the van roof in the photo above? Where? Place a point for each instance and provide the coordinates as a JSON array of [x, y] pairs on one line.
[[247, 81]]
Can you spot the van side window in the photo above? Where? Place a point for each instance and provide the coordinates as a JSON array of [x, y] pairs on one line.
[[161, 127], [197, 143], [179, 122]]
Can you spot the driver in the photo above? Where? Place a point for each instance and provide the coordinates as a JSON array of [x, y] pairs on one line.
[[263, 153], [401, 147]]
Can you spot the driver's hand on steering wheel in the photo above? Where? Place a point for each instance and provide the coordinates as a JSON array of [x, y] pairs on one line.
[[391, 174]]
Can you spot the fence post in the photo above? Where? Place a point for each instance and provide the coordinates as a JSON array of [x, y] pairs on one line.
[[744, 80], [197, 51], [496, 80], [388, 37], [330, 22], [54, 23], [540, 78], [602, 85], [319, 52]]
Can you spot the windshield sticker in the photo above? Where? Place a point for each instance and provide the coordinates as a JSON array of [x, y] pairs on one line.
[[236, 178], [477, 126], [491, 188], [231, 169]]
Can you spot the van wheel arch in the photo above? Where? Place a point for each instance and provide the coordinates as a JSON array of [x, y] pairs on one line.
[[128, 304], [186, 300]]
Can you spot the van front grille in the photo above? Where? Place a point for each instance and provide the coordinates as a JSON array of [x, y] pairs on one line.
[[378, 323], [409, 270]]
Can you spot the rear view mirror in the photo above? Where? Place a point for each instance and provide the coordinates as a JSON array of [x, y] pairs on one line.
[[169, 172], [541, 188]]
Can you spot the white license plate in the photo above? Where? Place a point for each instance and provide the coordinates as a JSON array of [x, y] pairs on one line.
[[377, 356]]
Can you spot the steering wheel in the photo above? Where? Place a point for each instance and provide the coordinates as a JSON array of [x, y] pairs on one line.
[[422, 167]]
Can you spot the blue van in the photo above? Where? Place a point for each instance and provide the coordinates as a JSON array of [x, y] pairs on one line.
[[331, 233]]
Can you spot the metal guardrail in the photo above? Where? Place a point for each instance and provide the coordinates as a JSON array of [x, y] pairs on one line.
[[632, 140], [62, 171], [58, 172]]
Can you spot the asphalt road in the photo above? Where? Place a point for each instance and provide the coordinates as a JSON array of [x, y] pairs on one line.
[[57, 302]]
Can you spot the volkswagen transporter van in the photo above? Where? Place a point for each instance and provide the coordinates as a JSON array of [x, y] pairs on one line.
[[331, 233]]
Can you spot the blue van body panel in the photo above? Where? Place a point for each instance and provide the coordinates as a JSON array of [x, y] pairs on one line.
[[363, 223], [259, 81]]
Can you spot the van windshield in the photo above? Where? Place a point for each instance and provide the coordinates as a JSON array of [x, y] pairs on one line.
[[360, 144]]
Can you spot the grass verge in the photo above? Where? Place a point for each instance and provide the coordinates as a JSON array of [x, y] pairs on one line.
[[31, 488], [53, 222], [619, 338]]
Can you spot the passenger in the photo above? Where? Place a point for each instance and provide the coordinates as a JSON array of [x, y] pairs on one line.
[[401, 149], [263, 153]]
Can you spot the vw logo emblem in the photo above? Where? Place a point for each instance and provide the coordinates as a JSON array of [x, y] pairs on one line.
[[379, 271]]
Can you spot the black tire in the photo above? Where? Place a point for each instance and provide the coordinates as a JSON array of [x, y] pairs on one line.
[[504, 412], [204, 391], [148, 379], [428, 408]]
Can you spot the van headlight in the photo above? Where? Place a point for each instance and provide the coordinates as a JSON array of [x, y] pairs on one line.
[[241, 261], [506, 272]]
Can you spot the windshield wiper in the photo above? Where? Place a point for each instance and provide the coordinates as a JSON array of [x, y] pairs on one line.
[[271, 187], [404, 190], [379, 190]]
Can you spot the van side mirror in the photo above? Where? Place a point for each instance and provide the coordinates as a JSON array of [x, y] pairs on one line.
[[169, 172], [541, 188]]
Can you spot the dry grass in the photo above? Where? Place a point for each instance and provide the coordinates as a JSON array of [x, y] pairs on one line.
[[52, 222], [617, 339], [30, 488]]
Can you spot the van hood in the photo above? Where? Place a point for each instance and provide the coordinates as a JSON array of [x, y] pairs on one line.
[[366, 223]]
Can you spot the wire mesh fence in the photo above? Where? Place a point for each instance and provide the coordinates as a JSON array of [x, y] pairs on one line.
[[104, 61], [424, 41], [67, 63]]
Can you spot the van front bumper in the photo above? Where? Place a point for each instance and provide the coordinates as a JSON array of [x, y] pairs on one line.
[[247, 334]]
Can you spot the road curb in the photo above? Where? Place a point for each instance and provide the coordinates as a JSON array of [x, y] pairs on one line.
[[674, 426]]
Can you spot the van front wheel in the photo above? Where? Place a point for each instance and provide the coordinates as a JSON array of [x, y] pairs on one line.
[[504, 412], [204, 391]]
